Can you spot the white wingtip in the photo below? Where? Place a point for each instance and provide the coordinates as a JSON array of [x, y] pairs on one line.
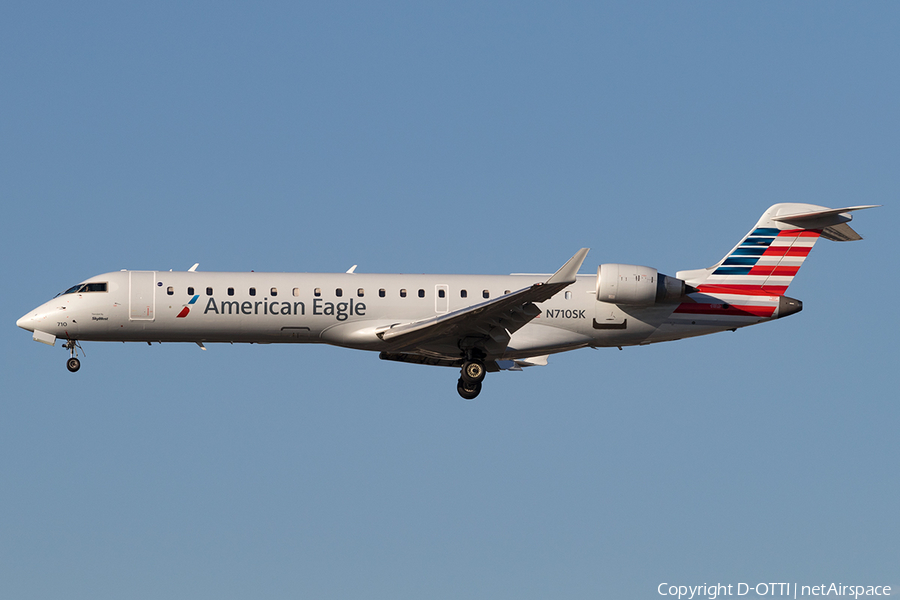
[[194, 268]]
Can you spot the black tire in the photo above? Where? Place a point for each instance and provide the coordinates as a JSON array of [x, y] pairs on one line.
[[468, 391], [473, 371], [73, 364]]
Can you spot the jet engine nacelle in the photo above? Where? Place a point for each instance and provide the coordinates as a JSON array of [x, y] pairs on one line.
[[635, 285]]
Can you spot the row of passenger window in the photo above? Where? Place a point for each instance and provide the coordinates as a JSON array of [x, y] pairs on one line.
[[339, 292]]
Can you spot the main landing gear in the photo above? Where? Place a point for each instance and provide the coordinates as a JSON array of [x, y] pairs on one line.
[[73, 364], [471, 376]]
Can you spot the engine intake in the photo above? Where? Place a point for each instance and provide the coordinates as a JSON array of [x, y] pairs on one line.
[[636, 285]]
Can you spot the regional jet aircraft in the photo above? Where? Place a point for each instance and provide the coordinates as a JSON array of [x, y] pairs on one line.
[[476, 323]]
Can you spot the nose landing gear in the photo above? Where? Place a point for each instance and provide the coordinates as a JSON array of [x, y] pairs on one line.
[[73, 364]]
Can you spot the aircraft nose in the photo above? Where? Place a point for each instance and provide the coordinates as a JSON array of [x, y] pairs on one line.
[[26, 323]]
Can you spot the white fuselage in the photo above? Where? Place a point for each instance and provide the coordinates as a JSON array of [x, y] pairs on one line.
[[349, 309]]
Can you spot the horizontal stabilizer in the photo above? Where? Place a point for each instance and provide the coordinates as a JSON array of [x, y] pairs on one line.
[[832, 222], [841, 233]]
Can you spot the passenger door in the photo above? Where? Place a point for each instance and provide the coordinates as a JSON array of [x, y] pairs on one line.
[[141, 295]]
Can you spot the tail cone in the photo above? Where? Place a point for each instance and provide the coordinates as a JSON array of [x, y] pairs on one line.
[[788, 306]]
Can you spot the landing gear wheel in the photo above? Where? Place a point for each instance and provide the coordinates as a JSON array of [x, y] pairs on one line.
[[469, 391], [473, 371], [73, 364]]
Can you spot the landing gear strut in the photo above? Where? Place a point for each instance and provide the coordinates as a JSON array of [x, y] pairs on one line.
[[73, 364]]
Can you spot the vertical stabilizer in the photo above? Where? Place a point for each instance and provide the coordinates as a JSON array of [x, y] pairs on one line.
[[769, 256]]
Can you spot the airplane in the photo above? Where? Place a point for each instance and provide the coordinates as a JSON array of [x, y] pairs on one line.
[[476, 323]]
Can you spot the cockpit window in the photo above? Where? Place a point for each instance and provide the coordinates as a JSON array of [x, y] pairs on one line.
[[82, 288]]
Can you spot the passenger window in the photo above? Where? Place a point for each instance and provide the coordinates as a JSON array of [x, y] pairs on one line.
[[317, 292], [421, 293], [441, 293], [231, 291], [296, 291], [360, 292], [252, 291], [274, 291], [381, 293], [339, 292], [486, 294], [190, 291], [463, 294], [568, 295], [506, 291], [209, 291], [403, 293], [170, 290]]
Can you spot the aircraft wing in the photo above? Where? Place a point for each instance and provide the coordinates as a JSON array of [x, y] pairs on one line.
[[487, 325]]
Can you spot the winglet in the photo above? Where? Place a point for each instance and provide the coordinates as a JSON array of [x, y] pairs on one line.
[[568, 271], [194, 268]]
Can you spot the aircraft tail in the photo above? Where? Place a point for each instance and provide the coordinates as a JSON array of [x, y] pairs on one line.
[[767, 258]]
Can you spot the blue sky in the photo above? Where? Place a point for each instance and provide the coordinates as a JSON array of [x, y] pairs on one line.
[[446, 137]]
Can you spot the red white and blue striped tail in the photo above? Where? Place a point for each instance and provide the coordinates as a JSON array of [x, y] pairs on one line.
[[765, 262]]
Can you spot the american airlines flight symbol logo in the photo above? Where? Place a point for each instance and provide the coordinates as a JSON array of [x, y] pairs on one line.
[[187, 308]]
